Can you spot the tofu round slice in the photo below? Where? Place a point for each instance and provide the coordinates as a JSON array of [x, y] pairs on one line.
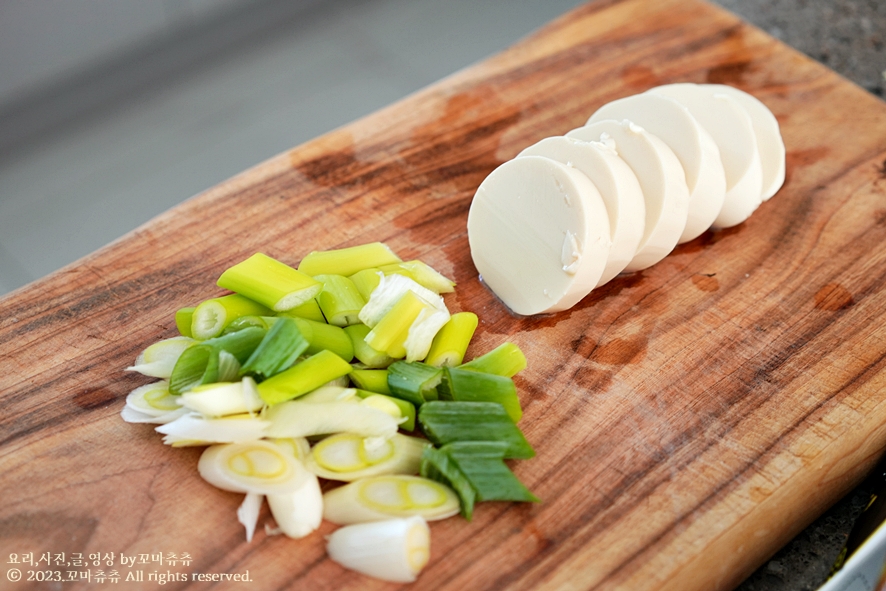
[[769, 140], [672, 123], [661, 179], [539, 234], [618, 186], [730, 126]]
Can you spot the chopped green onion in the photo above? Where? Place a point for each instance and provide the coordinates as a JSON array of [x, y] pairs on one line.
[[366, 281], [505, 360], [153, 399], [310, 310], [303, 377], [373, 380], [390, 333], [306, 419], [445, 422], [393, 550], [347, 457], [183, 319], [300, 512], [240, 343], [347, 261], [364, 353], [472, 386], [277, 351], [211, 317], [389, 291], [247, 513], [382, 497], [406, 408], [339, 300], [245, 322], [421, 273], [449, 346], [270, 282], [223, 398], [422, 332], [202, 364], [195, 429], [415, 382], [330, 394], [438, 466], [251, 467], [158, 360], [322, 336]]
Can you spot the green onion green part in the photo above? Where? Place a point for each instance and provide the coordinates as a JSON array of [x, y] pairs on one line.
[[407, 409], [241, 343], [365, 354], [347, 261], [449, 345], [373, 380], [325, 337], [505, 360], [415, 382], [339, 300], [448, 421], [211, 317], [438, 466], [277, 351], [270, 282], [201, 364], [472, 386], [183, 318], [303, 377]]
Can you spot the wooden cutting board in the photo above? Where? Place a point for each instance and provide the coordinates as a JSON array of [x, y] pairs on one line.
[[689, 419]]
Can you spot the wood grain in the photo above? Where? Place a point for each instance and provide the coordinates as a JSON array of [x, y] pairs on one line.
[[689, 419]]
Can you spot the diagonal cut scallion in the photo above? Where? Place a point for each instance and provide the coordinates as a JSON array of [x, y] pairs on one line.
[[448, 421], [472, 386], [277, 351], [505, 360]]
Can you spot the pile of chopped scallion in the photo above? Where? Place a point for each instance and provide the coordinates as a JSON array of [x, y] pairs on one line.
[[317, 372]]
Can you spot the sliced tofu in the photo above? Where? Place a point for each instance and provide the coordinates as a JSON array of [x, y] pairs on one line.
[[769, 140], [661, 179], [730, 126], [671, 122], [539, 234], [618, 186]]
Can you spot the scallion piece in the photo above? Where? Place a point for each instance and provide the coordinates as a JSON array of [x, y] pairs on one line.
[[159, 359], [240, 343], [310, 310], [322, 336], [382, 497], [246, 322], [505, 360], [373, 380], [277, 351], [415, 382], [202, 364], [212, 316], [339, 300], [270, 282], [347, 261], [447, 421], [303, 377], [438, 466], [366, 281], [421, 273], [482, 462], [183, 319], [472, 386], [195, 429], [449, 346], [390, 333], [393, 550], [347, 457], [407, 409], [252, 467], [223, 398], [365, 354], [295, 418]]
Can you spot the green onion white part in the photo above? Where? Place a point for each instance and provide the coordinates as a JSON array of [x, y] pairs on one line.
[[347, 457], [247, 513], [299, 419], [252, 467], [195, 429], [392, 550], [381, 497], [153, 399], [223, 398], [157, 360]]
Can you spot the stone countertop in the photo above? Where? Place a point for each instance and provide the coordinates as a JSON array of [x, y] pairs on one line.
[[848, 36]]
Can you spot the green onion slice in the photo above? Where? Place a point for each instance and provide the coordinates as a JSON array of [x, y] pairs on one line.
[[415, 382], [270, 282], [448, 421], [472, 386]]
